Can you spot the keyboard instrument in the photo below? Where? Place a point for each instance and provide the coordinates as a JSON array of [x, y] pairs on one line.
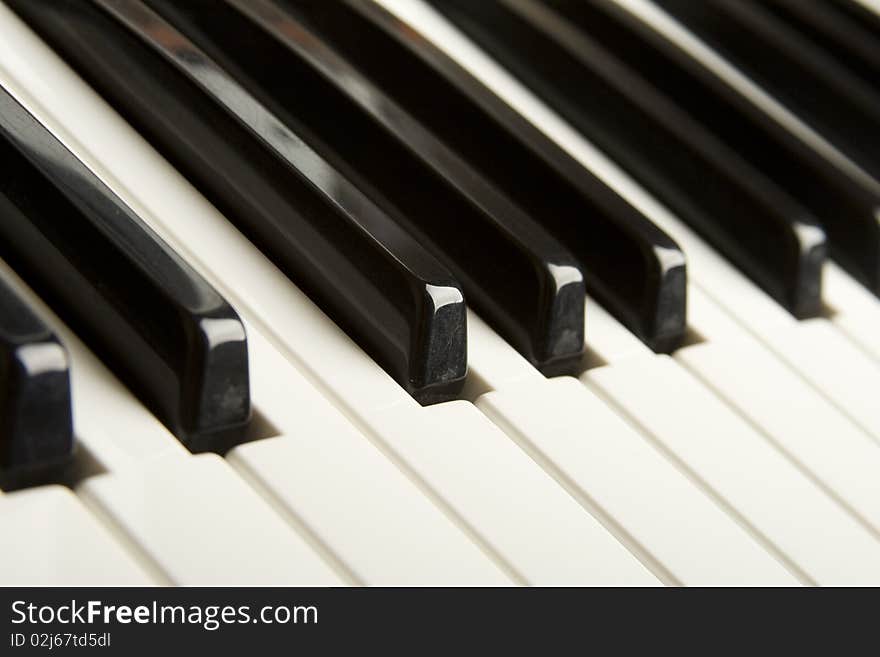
[[440, 292]]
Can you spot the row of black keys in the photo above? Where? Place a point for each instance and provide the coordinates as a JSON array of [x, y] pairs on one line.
[[381, 177]]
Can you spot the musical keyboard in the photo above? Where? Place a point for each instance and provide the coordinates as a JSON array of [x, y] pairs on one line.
[[430, 292]]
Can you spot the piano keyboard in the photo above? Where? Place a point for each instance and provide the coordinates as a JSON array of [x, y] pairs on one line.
[[435, 292]]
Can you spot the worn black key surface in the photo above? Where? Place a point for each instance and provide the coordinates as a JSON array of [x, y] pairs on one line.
[[821, 91], [177, 344], [368, 274], [631, 267], [518, 277], [846, 203], [36, 434], [764, 231]]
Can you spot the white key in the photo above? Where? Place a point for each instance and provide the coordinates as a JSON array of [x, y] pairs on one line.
[[636, 493], [833, 365], [113, 425], [856, 310], [607, 338], [784, 509], [329, 481], [504, 500], [50, 539], [199, 523], [491, 361], [794, 417]]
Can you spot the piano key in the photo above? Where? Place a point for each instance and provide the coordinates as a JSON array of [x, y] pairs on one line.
[[835, 366], [181, 347], [36, 433], [786, 511], [802, 77], [363, 392], [213, 245], [632, 267], [844, 202], [116, 429], [199, 523], [844, 29], [674, 529], [508, 505], [766, 232], [855, 311], [803, 426], [51, 539], [338, 490], [375, 280], [512, 271]]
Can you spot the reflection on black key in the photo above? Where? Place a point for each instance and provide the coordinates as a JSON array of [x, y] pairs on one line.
[[369, 275], [162, 328], [520, 279], [36, 436], [820, 90], [631, 266], [764, 231], [846, 203]]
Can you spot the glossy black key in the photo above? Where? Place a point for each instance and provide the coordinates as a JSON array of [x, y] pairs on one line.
[[846, 203], [763, 230], [631, 267], [519, 278], [810, 82], [153, 320], [36, 435], [369, 275], [845, 30]]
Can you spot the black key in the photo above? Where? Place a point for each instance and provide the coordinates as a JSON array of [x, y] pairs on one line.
[[821, 91], [36, 435], [520, 279], [763, 230], [154, 321], [844, 29], [846, 203], [631, 267], [370, 276]]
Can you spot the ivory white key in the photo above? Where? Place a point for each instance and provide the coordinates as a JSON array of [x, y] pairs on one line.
[[607, 338], [199, 523], [327, 479], [833, 365], [51, 539], [643, 500], [786, 510], [504, 500], [798, 420], [108, 419], [856, 310]]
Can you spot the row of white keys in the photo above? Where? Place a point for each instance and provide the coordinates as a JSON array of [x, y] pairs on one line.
[[327, 479], [610, 469], [154, 490], [51, 539], [467, 466], [792, 515]]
